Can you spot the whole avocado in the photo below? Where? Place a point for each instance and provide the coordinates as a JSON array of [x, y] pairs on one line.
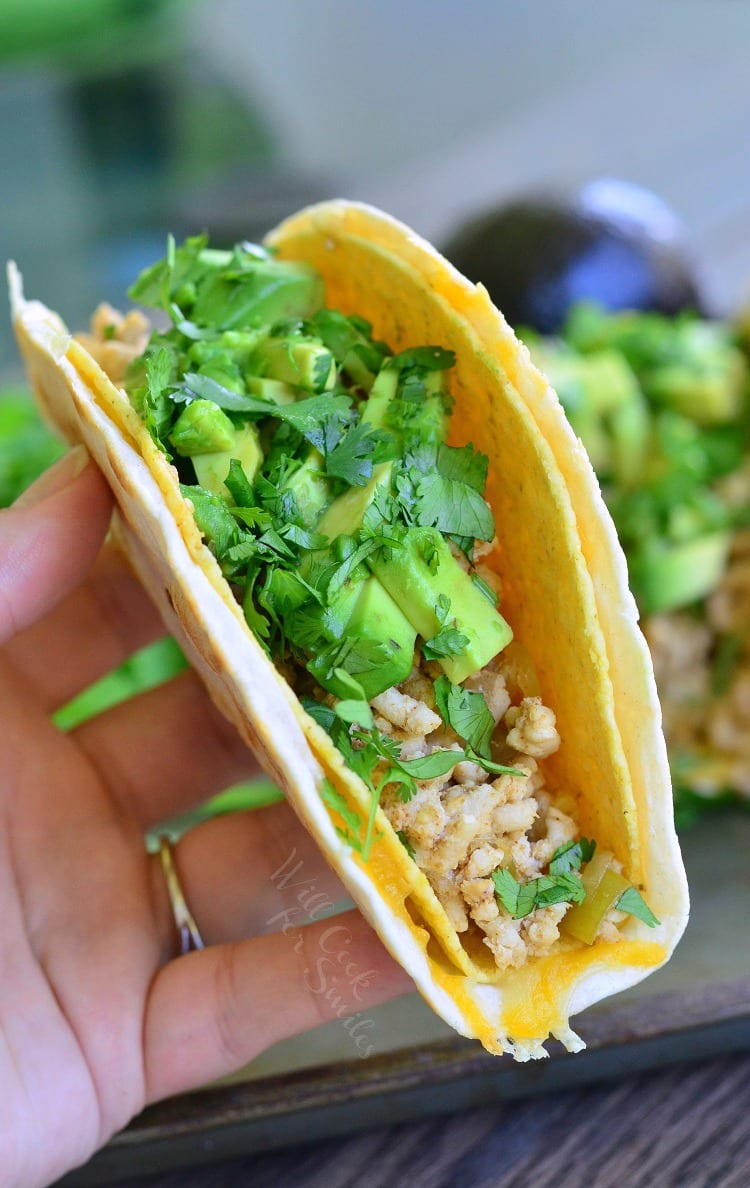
[[612, 242]]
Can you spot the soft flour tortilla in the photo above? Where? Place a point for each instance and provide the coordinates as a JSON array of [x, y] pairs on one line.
[[564, 592]]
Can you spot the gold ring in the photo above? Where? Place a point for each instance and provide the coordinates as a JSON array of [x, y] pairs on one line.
[[187, 929]]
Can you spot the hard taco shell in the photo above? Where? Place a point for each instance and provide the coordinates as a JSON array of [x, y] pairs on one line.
[[564, 592]]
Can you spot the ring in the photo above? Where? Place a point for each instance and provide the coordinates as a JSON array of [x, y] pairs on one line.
[[187, 929]]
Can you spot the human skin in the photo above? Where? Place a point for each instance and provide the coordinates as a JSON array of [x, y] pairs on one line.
[[99, 1016]]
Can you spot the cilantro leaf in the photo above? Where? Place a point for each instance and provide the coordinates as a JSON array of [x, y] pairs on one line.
[[467, 713], [520, 899], [350, 342], [156, 284], [238, 485], [428, 358], [454, 507], [303, 537], [214, 519], [147, 382], [632, 902], [484, 589], [354, 712], [507, 889], [429, 767], [352, 820], [321, 370], [463, 464], [406, 843], [449, 641], [306, 416], [324, 715], [571, 855], [351, 459], [494, 768]]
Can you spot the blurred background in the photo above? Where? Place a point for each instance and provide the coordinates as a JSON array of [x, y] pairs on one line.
[[120, 119]]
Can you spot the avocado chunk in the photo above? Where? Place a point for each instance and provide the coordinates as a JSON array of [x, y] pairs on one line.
[[604, 404], [680, 574], [201, 428], [212, 469], [408, 403], [296, 360], [350, 341], [275, 391], [310, 488], [407, 577], [344, 516], [377, 619], [377, 644], [416, 587], [383, 391]]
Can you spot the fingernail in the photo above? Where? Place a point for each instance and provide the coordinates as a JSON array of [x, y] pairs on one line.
[[57, 478]]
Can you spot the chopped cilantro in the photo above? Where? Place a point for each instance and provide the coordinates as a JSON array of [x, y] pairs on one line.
[[406, 843], [454, 507], [350, 833], [352, 457], [214, 519], [355, 712], [238, 486], [571, 856], [429, 358], [322, 714], [463, 464], [467, 713], [448, 641], [632, 902], [483, 588], [520, 899]]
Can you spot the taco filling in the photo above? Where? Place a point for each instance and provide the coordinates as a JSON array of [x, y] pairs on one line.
[[359, 545]]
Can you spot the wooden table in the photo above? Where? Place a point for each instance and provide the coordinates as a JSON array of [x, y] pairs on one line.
[[683, 1128]]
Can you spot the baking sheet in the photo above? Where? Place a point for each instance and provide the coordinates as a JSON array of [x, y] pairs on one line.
[[318, 1085]]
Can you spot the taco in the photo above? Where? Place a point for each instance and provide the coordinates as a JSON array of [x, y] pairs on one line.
[[363, 514]]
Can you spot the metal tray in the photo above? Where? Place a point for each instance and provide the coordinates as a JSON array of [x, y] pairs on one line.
[[315, 1086]]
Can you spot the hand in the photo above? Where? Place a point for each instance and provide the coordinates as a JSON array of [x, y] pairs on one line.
[[98, 1017]]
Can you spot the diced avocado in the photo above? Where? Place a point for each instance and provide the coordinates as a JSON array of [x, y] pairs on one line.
[[225, 372], [350, 341], [382, 640], [629, 427], [212, 469], [300, 361], [710, 394], [410, 402], [201, 428], [310, 488], [676, 576], [415, 587], [269, 291], [376, 618], [344, 516], [604, 404], [381, 394], [270, 389]]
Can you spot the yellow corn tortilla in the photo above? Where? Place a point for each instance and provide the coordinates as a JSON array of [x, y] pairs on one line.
[[564, 593]]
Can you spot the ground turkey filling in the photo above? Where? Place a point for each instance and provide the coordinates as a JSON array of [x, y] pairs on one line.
[[466, 824]]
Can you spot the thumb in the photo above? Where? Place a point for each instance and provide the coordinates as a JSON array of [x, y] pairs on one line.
[[49, 539]]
